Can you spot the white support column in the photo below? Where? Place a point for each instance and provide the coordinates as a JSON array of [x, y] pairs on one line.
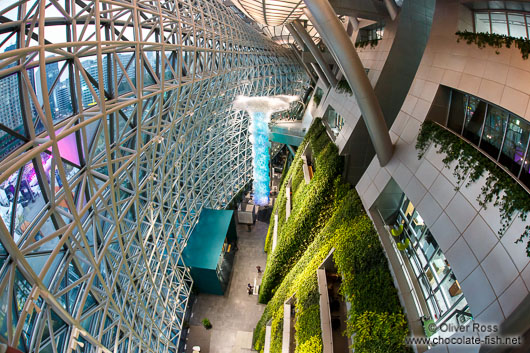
[[301, 61], [321, 75], [275, 232], [392, 8], [300, 42], [315, 51], [286, 337], [346, 57]]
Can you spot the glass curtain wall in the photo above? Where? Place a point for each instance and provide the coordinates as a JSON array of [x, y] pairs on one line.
[[440, 287], [334, 120], [116, 130], [514, 24], [372, 32], [501, 134]]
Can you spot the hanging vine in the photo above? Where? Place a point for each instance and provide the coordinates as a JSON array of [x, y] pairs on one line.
[[344, 87], [495, 40], [500, 189], [364, 43]]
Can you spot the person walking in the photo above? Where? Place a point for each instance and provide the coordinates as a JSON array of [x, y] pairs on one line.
[[258, 268]]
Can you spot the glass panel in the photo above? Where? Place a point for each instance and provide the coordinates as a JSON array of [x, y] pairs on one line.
[[494, 127], [433, 308], [404, 204], [29, 193], [411, 235], [414, 261], [375, 31], [60, 97], [462, 306], [428, 244], [457, 111], [7, 197], [148, 74], [525, 174], [10, 113], [408, 211], [128, 63], [425, 287], [68, 148], [482, 22], [438, 284], [421, 257], [379, 32], [515, 144], [517, 25], [430, 277], [90, 65], [475, 112], [417, 224], [451, 289], [30, 208], [498, 23], [52, 72], [439, 265], [438, 295], [9, 143], [334, 120]]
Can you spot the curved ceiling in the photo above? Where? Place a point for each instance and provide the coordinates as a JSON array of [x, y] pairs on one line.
[[282, 36], [271, 12]]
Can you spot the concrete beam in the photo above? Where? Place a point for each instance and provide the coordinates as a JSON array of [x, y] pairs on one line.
[[300, 42], [391, 8], [315, 51], [340, 45], [301, 61]]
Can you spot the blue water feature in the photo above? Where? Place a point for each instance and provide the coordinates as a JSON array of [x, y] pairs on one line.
[[260, 110], [259, 130]]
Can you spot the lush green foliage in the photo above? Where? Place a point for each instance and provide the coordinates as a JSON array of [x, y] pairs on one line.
[[344, 87], [360, 261], [363, 265], [495, 40], [276, 331], [379, 332], [309, 205], [364, 43], [313, 345], [500, 189], [284, 170], [206, 323]]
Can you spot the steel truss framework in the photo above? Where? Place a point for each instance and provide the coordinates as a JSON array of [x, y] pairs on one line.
[[124, 133]]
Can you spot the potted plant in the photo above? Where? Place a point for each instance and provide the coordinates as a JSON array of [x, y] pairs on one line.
[[403, 245], [396, 232], [402, 242], [207, 324]]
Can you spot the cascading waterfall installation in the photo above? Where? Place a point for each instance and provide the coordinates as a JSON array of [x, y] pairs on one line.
[[260, 110]]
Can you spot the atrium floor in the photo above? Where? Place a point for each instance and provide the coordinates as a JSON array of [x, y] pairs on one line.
[[234, 315]]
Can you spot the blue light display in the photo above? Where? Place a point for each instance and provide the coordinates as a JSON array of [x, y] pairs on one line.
[[260, 110], [259, 129]]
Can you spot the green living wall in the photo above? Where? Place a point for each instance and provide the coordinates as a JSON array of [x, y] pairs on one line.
[[327, 213], [311, 207]]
